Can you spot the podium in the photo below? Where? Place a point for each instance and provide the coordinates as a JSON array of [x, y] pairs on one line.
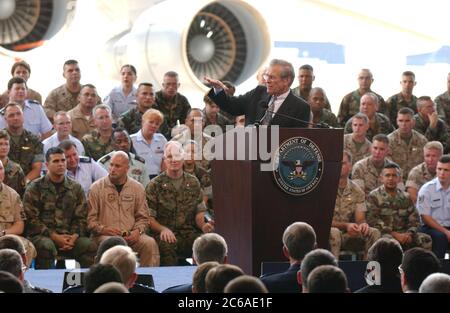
[[252, 210]]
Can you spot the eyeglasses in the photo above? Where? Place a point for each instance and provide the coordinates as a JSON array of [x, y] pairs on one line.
[[268, 77]]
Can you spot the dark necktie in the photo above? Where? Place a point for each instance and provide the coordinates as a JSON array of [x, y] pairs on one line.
[[268, 115]]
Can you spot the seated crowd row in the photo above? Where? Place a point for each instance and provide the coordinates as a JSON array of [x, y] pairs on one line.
[[311, 270]]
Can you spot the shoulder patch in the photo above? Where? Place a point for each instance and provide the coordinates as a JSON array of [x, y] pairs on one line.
[[85, 159], [104, 159], [138, 158], [33, 101]]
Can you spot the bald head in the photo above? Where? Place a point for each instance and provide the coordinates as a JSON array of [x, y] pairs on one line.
[[436, 283], [120, 155], [118, 168]]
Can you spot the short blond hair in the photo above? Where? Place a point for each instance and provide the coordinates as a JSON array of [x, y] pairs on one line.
[[153, 114], [434, 145]]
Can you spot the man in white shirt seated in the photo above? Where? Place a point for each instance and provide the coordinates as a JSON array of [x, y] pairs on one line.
[[63, 126]]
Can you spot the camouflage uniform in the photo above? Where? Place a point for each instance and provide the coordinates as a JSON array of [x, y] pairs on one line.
[[305, 95], [406, 155], [396, 214], [131, 120], [11, 211], [31, 95], [137, 170], [14, 177], [443, 106], [326, 116], [350, 105], [205, 182], [418, 176], [382, 126], [348, 201], [367, 176], [94, 147], [57, 209], [440, 133], [175, 209], [80, 125], [351, 146], [395, 103], [26, 151], [173, 110], [60, 99]]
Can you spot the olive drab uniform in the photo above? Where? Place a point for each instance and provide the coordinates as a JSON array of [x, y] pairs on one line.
[[350, 105], [14, 177], [349, 200], [443, 106], [396, 213], [406, 154], [173, 110], [382, 126], [93, 146], [305, 95], [60, 99], [358, 151], [25, 150], [61, 209], [395, 103], [418, 176], [176, 209]]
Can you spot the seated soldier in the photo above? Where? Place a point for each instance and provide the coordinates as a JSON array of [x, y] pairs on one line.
[[426, 170], [117, 207], [177, 212], [190, 166], [56, 210], [366, 173], [349, 230], [406, 144], [428, 123], [378, 122], [12, 216], [356, 142], [393, 213], [317, 100]]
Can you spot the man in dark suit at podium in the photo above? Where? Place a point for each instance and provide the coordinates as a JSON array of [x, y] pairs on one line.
[[298, 239], [270, 104]]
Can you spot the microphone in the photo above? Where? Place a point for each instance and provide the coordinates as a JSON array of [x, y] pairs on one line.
[[307, 123]]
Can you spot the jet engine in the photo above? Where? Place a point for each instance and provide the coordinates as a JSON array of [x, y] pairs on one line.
[[224, 39], [26, 24]]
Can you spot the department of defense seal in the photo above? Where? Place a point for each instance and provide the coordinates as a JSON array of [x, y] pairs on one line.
[[298, 166]]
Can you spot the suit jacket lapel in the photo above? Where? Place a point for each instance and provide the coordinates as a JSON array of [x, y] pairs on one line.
[[262, 106], [283, 109]]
